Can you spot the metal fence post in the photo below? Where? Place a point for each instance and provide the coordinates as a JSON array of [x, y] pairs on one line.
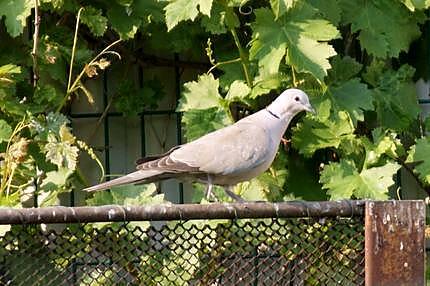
[[394, 243]]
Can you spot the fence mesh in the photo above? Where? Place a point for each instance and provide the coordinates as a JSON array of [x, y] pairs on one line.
[[292, 251]]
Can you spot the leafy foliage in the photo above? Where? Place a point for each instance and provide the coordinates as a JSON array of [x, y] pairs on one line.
[[352, 57], [344, 180], [297, 36], [353, 62]]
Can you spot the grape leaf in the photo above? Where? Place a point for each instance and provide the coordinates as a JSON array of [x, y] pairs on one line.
[[9, 69], [16, 13], [311, 134], [384, 142], [124, 24], [94, 20], [385, 27], [5, 131], [61, 153], [238, 91], [416, 4], [396, 100], [420, 153], [353, 97], [149, 10], [46, 95], [200, 122], [132, 100], [339, 179], [343, 69], [343, 180], [330, 9], [182, 10], [55, 179], [200, 94], [303, 40], [127, 195], [279, 7], [216, 23]]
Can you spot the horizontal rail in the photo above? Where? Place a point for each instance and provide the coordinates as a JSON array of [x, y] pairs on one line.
[[160, 212]]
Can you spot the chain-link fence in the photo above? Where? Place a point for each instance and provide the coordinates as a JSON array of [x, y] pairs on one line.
[[310, 247], [297, 251]]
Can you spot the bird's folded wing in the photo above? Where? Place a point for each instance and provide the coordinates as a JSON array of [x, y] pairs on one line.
[[232, 150]]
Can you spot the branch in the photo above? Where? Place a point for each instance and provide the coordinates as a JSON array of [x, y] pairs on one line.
[[35, 42]]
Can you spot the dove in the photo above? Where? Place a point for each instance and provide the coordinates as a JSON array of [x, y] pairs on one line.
[[224, 157]]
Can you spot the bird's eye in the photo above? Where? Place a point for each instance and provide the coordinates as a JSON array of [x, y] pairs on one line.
[[296, 98]]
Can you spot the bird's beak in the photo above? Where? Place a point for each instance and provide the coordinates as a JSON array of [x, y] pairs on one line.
[[310, 109]]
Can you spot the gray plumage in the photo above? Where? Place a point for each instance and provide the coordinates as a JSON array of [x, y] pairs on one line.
[[227, 156]]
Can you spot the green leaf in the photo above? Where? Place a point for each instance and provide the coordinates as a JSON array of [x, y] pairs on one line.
[[343, 69], [8, 69], [5, 131], [396, 99], [344, 181], [416, 4], [385, 27], [124, 24], [200, 122], [131, 100], [149, 11], [182, 10], [16, 13], [238, 91], [340, 179], [52, 123], [420, 154], [61, 153], [216, 23], [127, 195], [384, 142], [94, 20], [55, 179], [375, 181], [311, 135], [353, 97], [302, 39], [47, 95], [269, 83], [330, 9], [280, 7], [200, 94]]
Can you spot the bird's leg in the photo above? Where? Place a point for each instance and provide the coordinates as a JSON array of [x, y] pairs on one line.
[[229, 192], [209, 188]]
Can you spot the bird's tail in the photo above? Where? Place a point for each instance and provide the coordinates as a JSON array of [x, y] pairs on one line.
[[135, 177]]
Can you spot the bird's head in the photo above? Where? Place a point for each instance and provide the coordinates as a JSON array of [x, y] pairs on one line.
[[289, 103]]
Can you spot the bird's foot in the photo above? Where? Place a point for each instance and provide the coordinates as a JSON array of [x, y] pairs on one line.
[[210, 196]]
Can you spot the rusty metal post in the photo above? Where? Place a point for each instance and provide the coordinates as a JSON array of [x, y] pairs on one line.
[[394, 243]]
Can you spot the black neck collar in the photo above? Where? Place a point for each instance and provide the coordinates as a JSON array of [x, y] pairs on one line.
[[273, 114]]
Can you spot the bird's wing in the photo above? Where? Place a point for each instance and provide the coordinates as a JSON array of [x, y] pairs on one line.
[[235, 149]]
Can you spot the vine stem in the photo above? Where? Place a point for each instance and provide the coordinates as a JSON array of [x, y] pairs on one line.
[[105, 50], [72, 86], [35, 42], [243, 56], [217, 65], [75, 40]]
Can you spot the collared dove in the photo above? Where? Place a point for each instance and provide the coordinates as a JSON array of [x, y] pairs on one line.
[[227, 156]]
